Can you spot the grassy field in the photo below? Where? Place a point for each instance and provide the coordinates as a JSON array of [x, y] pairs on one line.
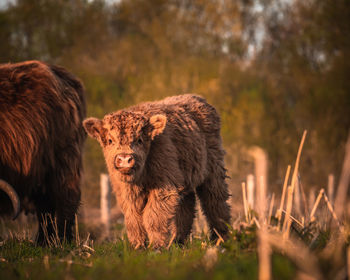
[[308, 253], [198, 259]]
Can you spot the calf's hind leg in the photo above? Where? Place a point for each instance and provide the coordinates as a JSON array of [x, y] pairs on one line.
[[185, 214], [213, 196]]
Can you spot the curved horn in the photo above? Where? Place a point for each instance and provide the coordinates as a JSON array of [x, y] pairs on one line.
[[13, 196]]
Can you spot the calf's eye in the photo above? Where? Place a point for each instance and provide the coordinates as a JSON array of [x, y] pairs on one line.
[[109, 141]]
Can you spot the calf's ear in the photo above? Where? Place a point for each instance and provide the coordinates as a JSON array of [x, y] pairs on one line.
[[93, 127], [158, 122]]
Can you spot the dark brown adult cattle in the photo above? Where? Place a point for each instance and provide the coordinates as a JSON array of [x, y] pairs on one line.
[[41, 137], [158, 155]]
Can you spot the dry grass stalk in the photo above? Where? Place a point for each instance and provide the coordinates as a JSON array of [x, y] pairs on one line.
[[171, 241], [77, 238], [271, 208], [279, 211], [245, 204], [250, 191], [316, 205], [296, 167], [297, 197], [218, 242], [44, 227], [51, 240], [287, 220], [56, 238], [89, 248], [306, 209], [330, 188], [299, 254], [220, 237], [340, 199], [288, 212], [255, 220], [330, 208], [296, 220]]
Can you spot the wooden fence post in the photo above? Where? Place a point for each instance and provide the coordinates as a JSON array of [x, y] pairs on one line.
[[105, 202], [260, 164]]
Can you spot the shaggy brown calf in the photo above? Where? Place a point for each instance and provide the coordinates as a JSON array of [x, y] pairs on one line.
[[158, 155], [41, 136]]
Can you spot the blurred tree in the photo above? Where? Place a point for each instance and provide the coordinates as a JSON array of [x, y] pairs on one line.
[[272, 68], [305, 55]]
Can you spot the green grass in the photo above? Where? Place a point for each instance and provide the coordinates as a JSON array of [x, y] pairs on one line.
[[235, 259]]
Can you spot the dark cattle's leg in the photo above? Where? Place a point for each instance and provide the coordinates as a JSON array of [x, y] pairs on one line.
[[46, 215], [68, 201], [184, 216], [56, 212]]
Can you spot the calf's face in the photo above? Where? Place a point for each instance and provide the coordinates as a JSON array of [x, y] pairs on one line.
[[125, 138]]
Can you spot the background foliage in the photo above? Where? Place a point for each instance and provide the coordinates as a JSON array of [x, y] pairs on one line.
[[272, 69]]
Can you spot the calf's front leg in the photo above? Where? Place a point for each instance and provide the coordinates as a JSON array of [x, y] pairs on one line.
[[135, 230], [131, 201], [159, 216]]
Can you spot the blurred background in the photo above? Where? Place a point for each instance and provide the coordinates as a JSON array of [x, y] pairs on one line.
[[271, 68]]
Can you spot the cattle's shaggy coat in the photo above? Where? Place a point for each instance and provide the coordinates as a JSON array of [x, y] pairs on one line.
[[41, 136], [158, 155]]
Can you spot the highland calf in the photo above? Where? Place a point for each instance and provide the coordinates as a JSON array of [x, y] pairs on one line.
[[41, 137], [159, 154]]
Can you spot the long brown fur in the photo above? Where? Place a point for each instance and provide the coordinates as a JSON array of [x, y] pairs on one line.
[[41, 136], [177, 149]]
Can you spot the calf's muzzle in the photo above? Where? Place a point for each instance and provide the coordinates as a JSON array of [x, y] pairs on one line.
[[124, 162]]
